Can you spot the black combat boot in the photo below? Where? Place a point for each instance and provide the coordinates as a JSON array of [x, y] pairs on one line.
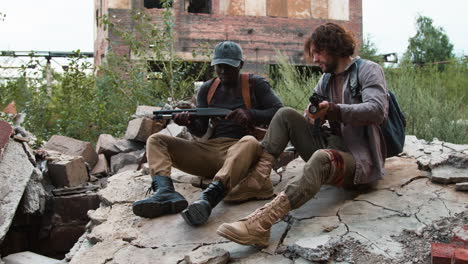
[[199, 211], [165, 200]]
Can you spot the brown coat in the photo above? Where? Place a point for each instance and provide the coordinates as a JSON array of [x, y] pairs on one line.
[[360, 120]]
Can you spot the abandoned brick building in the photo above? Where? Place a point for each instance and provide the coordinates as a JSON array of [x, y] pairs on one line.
[[261, 27]]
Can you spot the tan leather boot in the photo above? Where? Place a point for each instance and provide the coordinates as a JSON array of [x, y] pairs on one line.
[[257, 185], [255, 228]]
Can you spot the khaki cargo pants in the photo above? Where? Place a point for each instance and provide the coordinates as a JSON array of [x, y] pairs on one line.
[[225, 159], [327, 159]]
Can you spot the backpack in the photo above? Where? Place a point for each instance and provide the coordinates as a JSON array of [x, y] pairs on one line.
[[393, 128]]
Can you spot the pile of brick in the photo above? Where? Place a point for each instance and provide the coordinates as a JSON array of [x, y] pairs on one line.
[[51, 189], [453, 253]]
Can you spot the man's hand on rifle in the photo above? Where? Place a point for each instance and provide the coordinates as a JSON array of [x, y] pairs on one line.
[[183, 119], [321, 113], [241, 117]]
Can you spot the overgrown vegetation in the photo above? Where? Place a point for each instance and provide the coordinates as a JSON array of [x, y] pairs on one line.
[[433, 101], [430, 44], [83, 106]]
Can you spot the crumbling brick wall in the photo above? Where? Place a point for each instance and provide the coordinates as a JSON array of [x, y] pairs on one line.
[[261, 27]]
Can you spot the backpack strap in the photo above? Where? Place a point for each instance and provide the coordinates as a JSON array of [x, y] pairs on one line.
[[244, 86], [325, 80], [212, 90], [354, 84], [246, 90]]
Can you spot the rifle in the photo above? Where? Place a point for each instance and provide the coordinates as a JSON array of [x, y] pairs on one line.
[[205, 112], [257, 132]]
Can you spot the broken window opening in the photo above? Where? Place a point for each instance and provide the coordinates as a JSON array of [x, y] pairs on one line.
[[157, 3], [199, 6]]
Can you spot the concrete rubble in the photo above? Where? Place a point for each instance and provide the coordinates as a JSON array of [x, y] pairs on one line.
[[82, 198], [337, 226]]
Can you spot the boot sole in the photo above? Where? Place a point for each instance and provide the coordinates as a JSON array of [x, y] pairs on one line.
[[243, 197], [195, 214], [152, 210], [251, 241]]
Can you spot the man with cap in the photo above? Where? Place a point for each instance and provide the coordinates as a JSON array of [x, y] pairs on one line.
[[227, 157]]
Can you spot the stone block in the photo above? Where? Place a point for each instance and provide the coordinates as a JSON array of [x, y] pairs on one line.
[[5, 132], [74, 208], [106, 145], [123, 159], [174, 130], [125, 145], [102, 168], [28, 257], [68, 172], [146, 111], [73, 147], [141, 128], [462, 186]]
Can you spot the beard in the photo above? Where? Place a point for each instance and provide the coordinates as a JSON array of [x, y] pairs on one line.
[[330, 66]]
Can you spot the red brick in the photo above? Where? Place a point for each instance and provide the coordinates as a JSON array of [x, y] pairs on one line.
[[442, 253], [5, 132], [460, 256]]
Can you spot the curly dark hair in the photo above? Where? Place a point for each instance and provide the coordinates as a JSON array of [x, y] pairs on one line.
[[332, 38]]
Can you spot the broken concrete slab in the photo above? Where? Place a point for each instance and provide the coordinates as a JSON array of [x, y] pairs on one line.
[[208, 255], [462, 186], [73, 147], [100, 253], [68, 171], [369, 221], [15, 173], [318, 248], [448, 174], [28, 257], [34, 197]]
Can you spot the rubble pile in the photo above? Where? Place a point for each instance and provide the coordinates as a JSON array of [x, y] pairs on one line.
[[48, 191], [73, 195]]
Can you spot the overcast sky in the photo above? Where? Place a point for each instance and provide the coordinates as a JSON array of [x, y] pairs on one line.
[[65, 25]]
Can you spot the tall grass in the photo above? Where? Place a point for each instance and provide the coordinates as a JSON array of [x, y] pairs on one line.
[[433, 100], [292, 86]]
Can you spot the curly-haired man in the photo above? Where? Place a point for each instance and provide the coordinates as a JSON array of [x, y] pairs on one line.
[[350, 151]]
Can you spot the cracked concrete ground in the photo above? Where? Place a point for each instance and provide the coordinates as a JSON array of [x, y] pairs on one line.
[[337, 226]]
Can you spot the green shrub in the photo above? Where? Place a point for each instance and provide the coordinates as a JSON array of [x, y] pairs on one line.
[[434, 102]]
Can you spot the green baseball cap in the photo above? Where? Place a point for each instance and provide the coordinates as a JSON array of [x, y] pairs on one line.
[[227, 52]]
